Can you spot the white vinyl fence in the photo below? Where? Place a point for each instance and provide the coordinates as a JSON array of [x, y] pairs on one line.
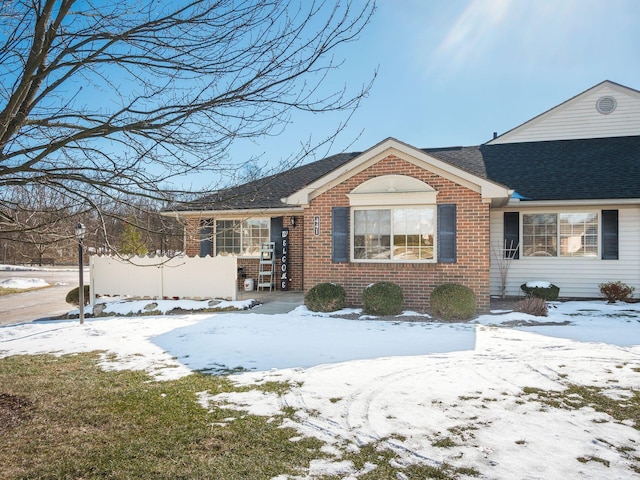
[[159, 277]]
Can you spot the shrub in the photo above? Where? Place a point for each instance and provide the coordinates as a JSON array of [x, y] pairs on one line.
[[533, 306], [452, 301], [613, 291], [549, 293], [382, 298], [325, 297], [73, 297]]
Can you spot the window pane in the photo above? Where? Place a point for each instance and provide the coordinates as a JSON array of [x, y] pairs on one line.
[[371, 238], [413, 233], [578, 234], [539, 235], [254, 232], [227, 237]]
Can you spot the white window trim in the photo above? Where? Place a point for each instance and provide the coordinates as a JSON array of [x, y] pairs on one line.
[[392, 207], [391, 199], [215, 235], [393, 192], [558, 256]]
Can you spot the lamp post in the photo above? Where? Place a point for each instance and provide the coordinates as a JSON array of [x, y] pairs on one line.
[[80, 230]]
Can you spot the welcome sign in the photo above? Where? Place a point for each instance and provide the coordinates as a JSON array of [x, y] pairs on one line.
[[284, 267]]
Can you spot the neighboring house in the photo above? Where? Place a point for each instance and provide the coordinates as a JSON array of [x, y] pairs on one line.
[[561, 192]]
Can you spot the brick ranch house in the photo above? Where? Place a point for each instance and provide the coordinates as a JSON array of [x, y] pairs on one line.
[[561, 192]]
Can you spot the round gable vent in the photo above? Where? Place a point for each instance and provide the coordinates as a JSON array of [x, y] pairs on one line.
[[606, 105]]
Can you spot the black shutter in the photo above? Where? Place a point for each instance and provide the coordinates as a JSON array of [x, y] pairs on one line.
[[610, 234], [276, 234], [206, 234], [511, 235], [340, 234], [447, 233]]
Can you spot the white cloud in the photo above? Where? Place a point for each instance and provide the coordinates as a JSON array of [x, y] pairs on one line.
[[511, 37], [475, 29]]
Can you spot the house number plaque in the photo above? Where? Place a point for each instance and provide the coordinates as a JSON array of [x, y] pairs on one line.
[[316, 225], [284, 266]]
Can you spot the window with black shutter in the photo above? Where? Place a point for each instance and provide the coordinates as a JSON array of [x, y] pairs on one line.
[[276, 234], [340, 234], [206, 236], [511, 235], [446, 233], [610, 234]]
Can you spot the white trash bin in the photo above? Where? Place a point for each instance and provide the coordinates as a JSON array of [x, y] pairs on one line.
[[248, 285]]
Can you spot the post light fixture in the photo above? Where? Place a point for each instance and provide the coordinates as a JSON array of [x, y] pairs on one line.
[[80, 231]]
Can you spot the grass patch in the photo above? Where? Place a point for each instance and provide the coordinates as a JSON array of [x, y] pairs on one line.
[[385, 467], [10, 291], [77, 421], [575, 397], [445, 442], [64, 417], [591, 458]]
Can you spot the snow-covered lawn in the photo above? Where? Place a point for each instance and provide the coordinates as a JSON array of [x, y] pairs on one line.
[[466, 394]]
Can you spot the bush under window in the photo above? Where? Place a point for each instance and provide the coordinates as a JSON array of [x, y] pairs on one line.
[[382, 298], [546, 291], [325, 297], [533, 306], [452, 301], [614, 291]]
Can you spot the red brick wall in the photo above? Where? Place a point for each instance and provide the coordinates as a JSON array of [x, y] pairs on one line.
[[416, 279]]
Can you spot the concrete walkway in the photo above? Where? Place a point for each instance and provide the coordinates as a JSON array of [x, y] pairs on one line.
[[273, 303]]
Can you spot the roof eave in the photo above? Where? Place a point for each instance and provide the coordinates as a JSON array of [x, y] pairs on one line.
[[267, 211], [569, 203]]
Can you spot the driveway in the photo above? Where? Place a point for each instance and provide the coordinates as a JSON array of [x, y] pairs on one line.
[[38, 304]]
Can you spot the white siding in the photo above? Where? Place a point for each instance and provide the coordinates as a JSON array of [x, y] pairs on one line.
[[579, 118], [576, 277]]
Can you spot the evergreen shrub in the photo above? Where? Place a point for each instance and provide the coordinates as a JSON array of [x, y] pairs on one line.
[[73, 297], [325, 297], [549, 293], [452, 301], [382, 298]]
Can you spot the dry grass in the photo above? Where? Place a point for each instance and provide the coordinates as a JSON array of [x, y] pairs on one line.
[[86, 423], [11, 291], [65, 418], [532, 306]]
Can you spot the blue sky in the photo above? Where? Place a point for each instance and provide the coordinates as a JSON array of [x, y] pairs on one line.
[[452, 72]]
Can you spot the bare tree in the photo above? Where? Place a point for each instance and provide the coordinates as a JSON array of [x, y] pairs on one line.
[[503, 256], [40, 221], [101, 101]]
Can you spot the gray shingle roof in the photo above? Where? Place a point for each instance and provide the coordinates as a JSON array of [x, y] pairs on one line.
[[267, 192], [594, 168], [600, 168]]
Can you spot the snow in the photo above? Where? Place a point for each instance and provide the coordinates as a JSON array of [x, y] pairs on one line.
[[118, 307], [405, 384], [23, 283], [538, 284]]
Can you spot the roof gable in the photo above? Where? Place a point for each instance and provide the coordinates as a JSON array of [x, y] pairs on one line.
[[426, 159], [605, 110]]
